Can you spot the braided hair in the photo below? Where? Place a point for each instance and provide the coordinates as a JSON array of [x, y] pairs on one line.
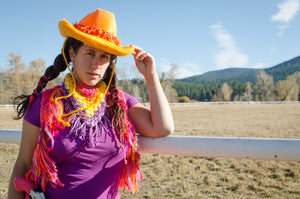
[[52, 72], [59, 65]]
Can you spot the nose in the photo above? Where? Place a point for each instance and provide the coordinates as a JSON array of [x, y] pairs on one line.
[[96, 62]]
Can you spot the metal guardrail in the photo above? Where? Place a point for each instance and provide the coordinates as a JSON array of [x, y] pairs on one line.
[[218, 147], [10, 136], [211, 103]]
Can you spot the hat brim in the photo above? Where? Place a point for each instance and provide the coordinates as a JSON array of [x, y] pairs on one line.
[[67, 30]]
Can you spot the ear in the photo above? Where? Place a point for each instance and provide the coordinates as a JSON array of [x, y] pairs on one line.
[[71, 54]]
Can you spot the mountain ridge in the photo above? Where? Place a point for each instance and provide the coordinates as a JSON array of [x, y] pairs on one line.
[[279, 72]]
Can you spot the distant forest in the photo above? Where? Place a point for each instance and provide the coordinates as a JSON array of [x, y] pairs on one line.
[[280, 83], [244, 75]]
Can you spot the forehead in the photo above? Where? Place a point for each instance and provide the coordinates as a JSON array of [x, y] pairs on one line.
[[89, 48]]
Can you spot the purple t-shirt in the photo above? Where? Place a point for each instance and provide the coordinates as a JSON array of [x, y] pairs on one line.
[[85, 172]]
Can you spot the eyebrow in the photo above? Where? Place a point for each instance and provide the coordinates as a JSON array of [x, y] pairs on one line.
[[92, 50]]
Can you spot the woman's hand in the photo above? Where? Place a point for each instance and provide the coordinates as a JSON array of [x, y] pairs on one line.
[[144, 62]]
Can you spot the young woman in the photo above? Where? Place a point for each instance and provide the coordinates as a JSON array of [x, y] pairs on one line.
[[79, 138]]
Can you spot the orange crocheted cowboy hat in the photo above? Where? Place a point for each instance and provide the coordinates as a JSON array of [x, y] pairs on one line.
[[99, 30]]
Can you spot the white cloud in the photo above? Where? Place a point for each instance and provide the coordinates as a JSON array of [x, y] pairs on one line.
[[287, 11], [189, 69], [127, 70], [228, 55], [184, 70]]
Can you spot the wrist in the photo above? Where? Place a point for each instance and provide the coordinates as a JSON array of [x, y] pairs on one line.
[[151, 76]]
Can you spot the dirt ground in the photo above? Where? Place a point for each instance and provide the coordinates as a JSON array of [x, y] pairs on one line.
[[167, 176]]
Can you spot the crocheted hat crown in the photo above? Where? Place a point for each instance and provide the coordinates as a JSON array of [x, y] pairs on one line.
[[101, 19], [99, 30]]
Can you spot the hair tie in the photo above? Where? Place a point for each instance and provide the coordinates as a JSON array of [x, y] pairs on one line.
[[47, 80], [31, 98], [35, 92]]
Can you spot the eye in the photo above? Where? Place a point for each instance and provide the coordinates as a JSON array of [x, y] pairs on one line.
[[105, 56], [91, 53]]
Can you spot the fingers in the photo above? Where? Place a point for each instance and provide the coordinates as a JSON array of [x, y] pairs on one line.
[[139, 54]]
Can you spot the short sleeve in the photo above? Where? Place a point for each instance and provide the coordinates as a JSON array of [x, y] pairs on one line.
[[130, 100], [32, 115]]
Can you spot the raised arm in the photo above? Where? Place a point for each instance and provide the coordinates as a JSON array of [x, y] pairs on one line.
[[158, 121]]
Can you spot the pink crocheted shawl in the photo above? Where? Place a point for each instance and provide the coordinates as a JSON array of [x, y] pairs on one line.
[[44, 169]]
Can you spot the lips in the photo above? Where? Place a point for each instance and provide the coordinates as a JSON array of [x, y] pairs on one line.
[[93, 74]]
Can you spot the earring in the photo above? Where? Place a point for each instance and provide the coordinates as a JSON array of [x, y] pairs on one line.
[[71, 64]]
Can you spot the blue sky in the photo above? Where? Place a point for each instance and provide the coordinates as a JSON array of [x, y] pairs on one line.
[[197, 35]]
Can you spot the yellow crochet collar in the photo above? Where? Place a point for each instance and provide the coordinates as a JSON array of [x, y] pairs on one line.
[[90, 99]]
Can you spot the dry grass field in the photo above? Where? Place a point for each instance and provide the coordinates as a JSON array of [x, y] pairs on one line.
[[167, 176]]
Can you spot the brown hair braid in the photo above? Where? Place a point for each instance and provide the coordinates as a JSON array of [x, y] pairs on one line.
[[116, 110], [59, 65]]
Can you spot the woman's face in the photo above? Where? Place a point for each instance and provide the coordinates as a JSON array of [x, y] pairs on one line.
[[89, 65]]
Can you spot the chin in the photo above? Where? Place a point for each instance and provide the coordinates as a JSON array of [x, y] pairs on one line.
[[92, 84]]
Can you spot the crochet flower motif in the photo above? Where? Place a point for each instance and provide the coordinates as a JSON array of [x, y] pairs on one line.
[[92, 30]]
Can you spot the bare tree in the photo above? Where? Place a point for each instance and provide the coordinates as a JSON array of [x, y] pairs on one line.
[[215, 97], [265, 84], [225, 93], [15, 84], [15, 63], [167, 80], [133, 84], [296, 75], [137, 85], [287, 90], [248, 94], [32, 75], [19, 78]]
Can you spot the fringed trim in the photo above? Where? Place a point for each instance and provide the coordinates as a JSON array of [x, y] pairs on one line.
[[131, 173], [91, 30], [126, 137], [43, 169]]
